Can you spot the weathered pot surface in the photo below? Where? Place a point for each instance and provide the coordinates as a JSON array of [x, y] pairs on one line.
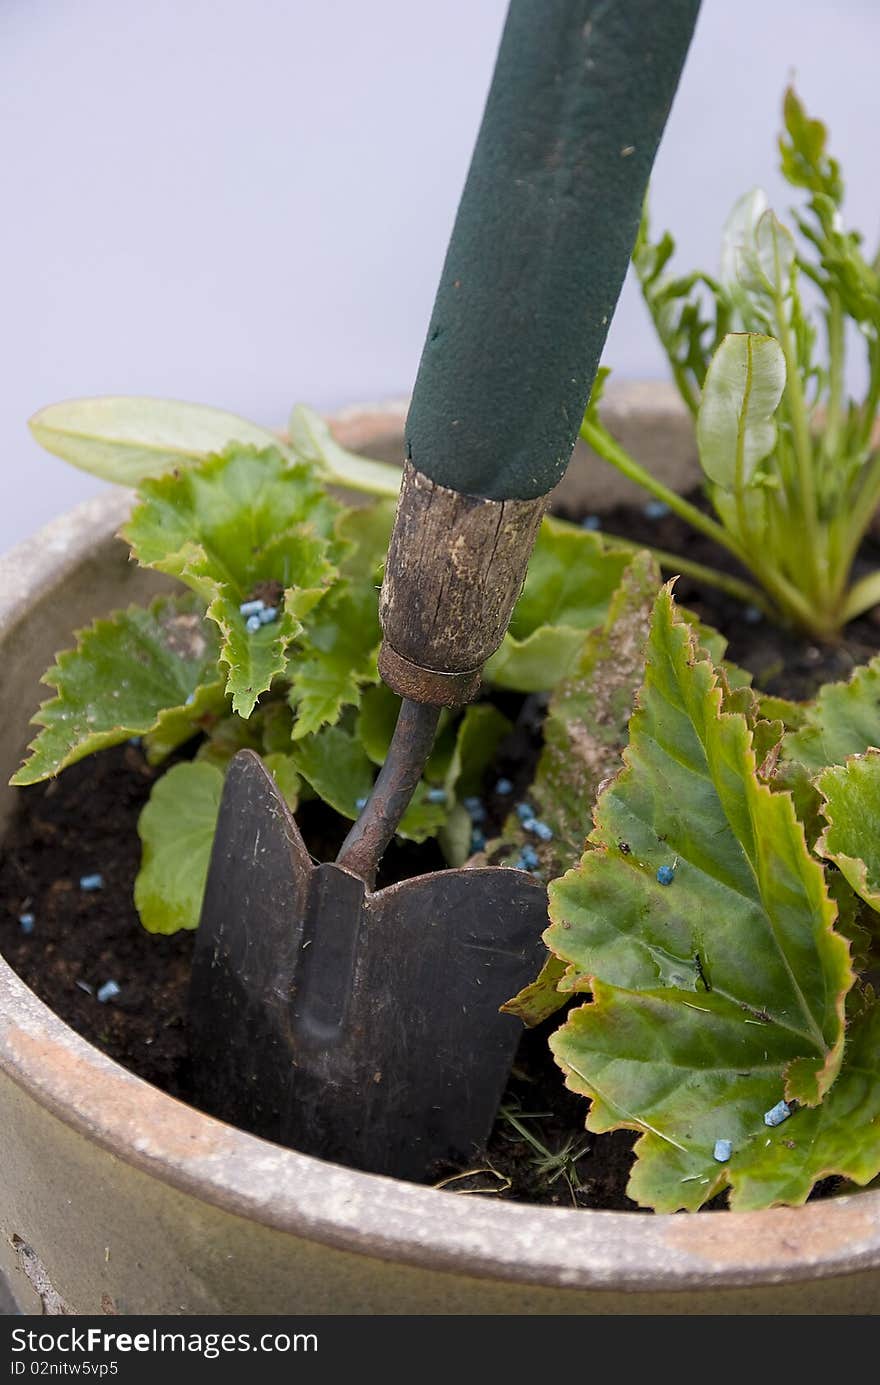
[[117, 1198]]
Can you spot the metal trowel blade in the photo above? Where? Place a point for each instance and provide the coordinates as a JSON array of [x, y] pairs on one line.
[[360, 1027]]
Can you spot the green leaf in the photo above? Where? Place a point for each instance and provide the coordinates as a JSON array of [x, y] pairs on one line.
[[336, 765], [310, 438], [844, 720], [735, 425], [690, 313], [541, 998], [851, 840], [128, 438], [571, 579], [139, 672], [719, 993], [365, 531], [840, 1137], [177, 830], [738, 237], [480, 731], [283, 770], [585, 729], [422, 819], [241, 525], [377, 718], [805, 162], [336, 657]]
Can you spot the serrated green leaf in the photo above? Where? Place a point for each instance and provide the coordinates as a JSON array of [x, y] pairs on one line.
[[585, 729], [844, 720], [336, 657], [177, 828], [735, 424], [128, 438], [841, 1137], [720, 992], [336, 765], [143, 671], [571, 579], [310, 438], [851, 794], [240, 525]]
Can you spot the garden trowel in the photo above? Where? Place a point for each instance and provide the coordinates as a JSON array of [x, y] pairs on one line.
[[360, 1025]]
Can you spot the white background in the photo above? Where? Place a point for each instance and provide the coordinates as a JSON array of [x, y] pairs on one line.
[[247, 202]]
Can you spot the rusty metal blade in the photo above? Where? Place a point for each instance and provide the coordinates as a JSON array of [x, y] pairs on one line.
[[361, 1027]]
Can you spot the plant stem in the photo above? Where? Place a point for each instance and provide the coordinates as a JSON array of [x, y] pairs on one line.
[[601, 441], [836, 362], [723, 581], [803, 447]]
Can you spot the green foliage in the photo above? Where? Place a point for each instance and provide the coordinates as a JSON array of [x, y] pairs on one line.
[[721, 992], [337, 658], [792, 464], [177, 829], [140, 672], [239, 526], [844, 720], [851, 807], [126, 439], [571, 579]]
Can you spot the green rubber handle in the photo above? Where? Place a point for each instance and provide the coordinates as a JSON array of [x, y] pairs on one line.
[[542, 239]]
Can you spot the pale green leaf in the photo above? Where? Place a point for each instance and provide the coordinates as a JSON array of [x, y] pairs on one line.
[[718, 993], [851, 794], [844, 720], [127, 438], [139, 672], [177, 831], [310, 438], [738, 236], [364, 531], [570, 581], [242, 525], [735, 424]]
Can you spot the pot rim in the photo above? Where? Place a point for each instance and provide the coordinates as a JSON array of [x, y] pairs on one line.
[[369, 1214]]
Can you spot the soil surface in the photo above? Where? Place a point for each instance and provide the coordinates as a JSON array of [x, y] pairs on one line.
[[84, 823]]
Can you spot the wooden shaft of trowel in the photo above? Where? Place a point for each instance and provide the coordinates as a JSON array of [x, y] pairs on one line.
[[538, 254]]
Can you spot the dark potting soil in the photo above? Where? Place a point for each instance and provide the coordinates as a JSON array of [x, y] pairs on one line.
[[84, 823]]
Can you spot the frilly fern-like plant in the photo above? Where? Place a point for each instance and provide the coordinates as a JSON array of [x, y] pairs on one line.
[[791, 464]]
